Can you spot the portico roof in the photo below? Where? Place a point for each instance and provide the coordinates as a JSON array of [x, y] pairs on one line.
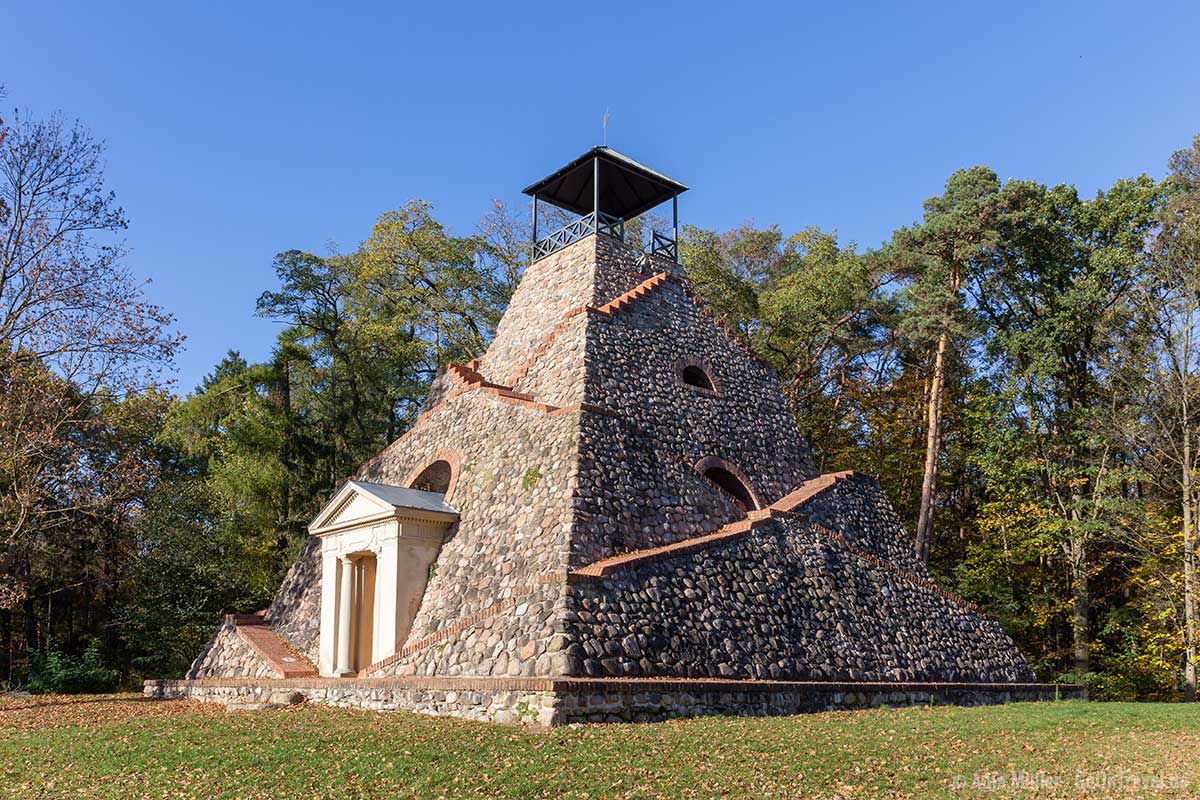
[[401, 497], [358, 502]]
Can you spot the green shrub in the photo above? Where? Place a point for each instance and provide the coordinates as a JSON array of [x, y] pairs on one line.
[[56, 673]]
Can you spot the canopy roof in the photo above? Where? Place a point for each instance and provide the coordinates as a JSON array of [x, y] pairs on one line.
[[627, 188]]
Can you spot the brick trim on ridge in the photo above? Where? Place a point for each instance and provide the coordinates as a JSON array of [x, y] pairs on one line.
[[636, 293], [735, 530], [274, 650], [608, 566]]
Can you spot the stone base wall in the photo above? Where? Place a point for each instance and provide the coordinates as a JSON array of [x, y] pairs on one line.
[[635, 705], [546, 702], [497, 705]]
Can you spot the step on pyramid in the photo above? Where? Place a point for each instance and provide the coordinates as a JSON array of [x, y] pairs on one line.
[[610, 514]]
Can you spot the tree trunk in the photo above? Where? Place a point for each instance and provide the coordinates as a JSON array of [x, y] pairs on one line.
[[933, 446], [933, 432], [1189, 573], [1081, 607]]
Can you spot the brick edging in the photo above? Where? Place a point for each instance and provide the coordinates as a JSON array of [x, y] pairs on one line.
[[616, 685], [728, 533], [653, 555], [274, 651]]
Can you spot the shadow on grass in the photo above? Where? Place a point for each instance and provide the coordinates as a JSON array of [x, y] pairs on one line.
[[11, 704]]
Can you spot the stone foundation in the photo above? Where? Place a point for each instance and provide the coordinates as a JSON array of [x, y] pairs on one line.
[[549, 701]]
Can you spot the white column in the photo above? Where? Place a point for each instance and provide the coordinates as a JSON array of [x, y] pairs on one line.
[[327, 660], [345, 626], [384, 642]]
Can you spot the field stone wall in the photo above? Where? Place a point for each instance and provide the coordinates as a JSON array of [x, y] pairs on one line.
[[502, 705], [295, 611], [513, 493], [638, 485], [555, 375], [859, 509], [228, 656], [785, 602]]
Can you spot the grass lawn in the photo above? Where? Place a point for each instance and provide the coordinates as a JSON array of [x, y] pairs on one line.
[[124, 747]]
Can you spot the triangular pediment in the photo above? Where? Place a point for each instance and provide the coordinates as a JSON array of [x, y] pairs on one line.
[[363, 502]]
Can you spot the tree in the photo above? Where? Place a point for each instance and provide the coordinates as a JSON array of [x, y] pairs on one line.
[[1168, 296], [364, 333], [936, 257], [823, 326], [66, 298], [80, 350], [504, 237], [1055, 294]]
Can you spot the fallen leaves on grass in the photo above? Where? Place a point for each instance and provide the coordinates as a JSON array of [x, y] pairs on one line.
[[45, 711]]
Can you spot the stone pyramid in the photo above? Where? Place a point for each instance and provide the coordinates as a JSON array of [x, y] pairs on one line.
[[637, 509]]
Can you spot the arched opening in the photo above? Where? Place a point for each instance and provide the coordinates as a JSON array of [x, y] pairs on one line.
[[696, 376], [732, 485], [730, 480], [434, 478]]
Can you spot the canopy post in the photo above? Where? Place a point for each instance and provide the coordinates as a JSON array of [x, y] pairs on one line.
[[675, 222], [533, 232]]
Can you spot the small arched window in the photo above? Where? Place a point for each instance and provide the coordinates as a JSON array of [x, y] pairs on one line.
[[730, 480], [696, 376], [434, 478]]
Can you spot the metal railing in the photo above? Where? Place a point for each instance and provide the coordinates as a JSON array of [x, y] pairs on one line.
[[662, 245], [576, 230]]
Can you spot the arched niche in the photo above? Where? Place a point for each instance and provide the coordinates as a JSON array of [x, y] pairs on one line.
[[439, 474], [698, 376], [730, 480]]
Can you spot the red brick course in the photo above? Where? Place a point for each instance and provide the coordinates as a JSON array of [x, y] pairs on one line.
[[735, 530], [593, 685]]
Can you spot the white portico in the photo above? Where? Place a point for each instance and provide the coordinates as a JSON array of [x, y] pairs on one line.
[[377, 545]]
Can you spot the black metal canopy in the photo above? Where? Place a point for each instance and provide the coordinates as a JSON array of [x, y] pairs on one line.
[[627, 188]]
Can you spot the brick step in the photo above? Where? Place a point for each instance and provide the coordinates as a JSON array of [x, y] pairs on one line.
[[278, 654]]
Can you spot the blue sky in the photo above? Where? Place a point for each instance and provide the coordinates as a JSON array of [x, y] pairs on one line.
[[235, 131]]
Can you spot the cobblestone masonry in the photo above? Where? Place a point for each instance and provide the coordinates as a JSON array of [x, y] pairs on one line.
[[228, 656], [295, 612], [786, 601], [577, 440]]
